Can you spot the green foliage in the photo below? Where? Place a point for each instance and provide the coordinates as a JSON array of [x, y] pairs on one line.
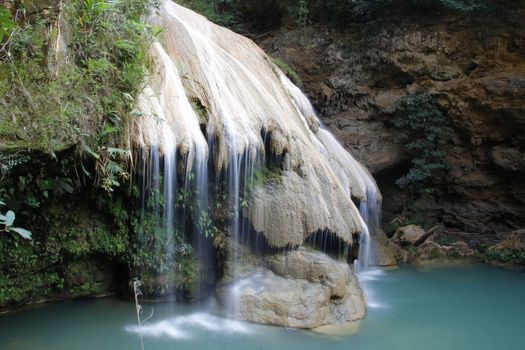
[[290, 73], [222, 12], [342, 13], [66, 233], [51, 200], [423, 130], [299, 11], [82, 94], [265, 175], [506, 256], [164, 259], [6, 24], [10, 161]]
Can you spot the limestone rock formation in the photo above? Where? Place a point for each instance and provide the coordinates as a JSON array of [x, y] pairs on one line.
[[207, 86], [301, 289]]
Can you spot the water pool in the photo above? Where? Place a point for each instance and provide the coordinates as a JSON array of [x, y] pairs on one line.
[[476, 307]]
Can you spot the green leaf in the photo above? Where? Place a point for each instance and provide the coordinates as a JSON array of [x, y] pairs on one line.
[[6, 23], [2, 203], [22, 232], [91, 152], [9, 218]]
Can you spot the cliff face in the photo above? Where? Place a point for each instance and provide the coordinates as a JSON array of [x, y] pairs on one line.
[[474, 68]]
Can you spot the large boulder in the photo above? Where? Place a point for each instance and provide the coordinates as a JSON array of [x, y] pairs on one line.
[[301, 289], [411, 235]]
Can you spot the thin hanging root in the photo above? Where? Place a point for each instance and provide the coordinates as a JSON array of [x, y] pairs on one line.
[[138, 307]]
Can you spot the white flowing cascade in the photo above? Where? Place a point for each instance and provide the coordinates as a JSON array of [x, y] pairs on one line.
[[205, 75]]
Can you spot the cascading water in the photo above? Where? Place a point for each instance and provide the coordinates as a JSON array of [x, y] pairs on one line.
[[228, 133], [371, 213]]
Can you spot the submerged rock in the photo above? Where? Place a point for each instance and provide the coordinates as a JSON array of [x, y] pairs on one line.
[[301, 289]]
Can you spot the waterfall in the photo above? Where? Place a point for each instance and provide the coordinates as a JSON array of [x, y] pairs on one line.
[[225, 138], [371, 213]]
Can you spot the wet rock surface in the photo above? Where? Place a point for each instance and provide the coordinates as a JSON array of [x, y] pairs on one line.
[[301, 289], [382, 250]]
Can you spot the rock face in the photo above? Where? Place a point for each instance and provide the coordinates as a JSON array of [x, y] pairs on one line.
[[473, 67], [301, 289]]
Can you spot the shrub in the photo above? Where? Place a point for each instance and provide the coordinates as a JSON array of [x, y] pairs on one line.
[[423, 130]]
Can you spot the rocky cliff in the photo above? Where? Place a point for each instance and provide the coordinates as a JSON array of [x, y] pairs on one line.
[[472, 66]]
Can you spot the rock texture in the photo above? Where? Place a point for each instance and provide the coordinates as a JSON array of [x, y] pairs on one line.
[[515, 242], [411, 234], [301, 289], [472, 65]]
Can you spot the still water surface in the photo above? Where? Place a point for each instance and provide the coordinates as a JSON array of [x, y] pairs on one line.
[[445, 308]]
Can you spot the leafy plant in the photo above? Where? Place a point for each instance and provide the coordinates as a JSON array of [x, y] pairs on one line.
[[221, 12], [6, 24], [8, 219], [85, 102], [423, 130]]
